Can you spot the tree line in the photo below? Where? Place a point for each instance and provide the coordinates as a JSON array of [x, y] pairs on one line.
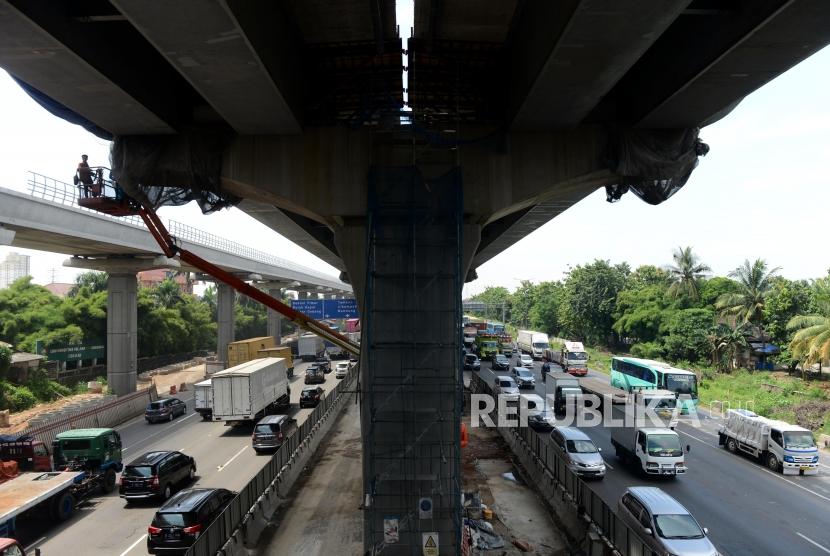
[[169, 321], [678, 312]]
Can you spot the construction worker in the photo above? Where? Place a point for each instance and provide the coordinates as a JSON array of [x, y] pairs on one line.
[[83, 175]]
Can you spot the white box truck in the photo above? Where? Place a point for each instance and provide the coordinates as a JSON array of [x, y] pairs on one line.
[[564, 388], [571, 357], [203, 399], [780, 446], [310, 347], [250, 390], [656, 450], [533, 343]]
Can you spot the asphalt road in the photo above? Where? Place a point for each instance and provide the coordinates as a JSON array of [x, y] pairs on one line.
[[224, 458], [748, 509]]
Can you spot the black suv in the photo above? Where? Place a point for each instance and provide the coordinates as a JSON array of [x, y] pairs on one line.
[[156, 475], [164, 410], [311, 396], [271, 431], [314, 375], [180, 521], [324, 363]]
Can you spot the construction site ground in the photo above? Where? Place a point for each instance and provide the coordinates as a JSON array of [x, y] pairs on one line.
[[519, 515], [189, 375]]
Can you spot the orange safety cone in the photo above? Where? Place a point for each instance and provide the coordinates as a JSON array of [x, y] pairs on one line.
[[173, 389], [465, 438]]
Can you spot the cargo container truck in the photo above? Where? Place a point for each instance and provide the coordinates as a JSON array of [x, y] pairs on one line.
[[248, 391], [533, 343]]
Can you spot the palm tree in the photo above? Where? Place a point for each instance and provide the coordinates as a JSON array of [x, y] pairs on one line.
[[686, 272], [811, 342], [747, 304], [167, 293], [728, 344]]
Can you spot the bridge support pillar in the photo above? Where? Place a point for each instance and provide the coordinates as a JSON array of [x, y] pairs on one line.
[[225, 297], [408, 281], [274, 318], [122, 333]]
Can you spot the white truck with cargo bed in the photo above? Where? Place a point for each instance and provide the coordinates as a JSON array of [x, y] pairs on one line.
[[647, 440], [780, 446], [250, 390], [310, 347]]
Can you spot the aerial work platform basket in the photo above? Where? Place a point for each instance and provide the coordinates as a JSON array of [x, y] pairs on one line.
[[104, 195]]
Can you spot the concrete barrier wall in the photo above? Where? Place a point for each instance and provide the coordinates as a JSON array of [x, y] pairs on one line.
[[106, 412]]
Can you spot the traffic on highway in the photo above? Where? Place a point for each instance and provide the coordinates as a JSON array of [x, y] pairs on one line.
[[179, 471], [729, 498]]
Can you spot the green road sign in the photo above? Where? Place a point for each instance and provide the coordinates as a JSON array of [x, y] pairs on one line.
[[73, 352]]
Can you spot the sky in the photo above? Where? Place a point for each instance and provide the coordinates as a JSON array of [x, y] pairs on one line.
[[762, 191]]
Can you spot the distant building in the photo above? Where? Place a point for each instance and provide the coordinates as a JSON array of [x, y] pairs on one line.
[[15, 266], [59, 289], [150, 278]]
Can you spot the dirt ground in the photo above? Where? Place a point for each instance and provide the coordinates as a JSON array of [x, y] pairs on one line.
[[19, 421], [190, 375], [519, 514]]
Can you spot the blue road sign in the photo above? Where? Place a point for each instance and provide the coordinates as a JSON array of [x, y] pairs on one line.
[[327, 308], [311, 307]]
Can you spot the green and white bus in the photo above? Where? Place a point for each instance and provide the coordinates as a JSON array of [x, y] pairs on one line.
[[630, 373]]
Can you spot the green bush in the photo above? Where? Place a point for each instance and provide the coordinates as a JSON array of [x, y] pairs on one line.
[[17, 398], [43, 389], [647, 350]]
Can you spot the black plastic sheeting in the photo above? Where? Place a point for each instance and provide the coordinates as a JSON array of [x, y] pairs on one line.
[[159, 170], [653, 164], [57, 109]]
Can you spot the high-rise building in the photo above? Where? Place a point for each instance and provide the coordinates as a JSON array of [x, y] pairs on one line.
[[14, 267]]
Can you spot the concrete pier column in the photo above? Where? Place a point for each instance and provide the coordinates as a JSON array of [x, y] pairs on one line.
[[274, 318], [122, 333], [408, 280], [225, 296]]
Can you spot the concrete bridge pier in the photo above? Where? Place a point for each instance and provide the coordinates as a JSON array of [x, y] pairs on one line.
[[274, 318], [122, 313], [122, 333], [225, 299]]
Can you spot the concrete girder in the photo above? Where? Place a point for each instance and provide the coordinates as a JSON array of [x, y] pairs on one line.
[[244, 62], [569, 54], [533, 178], [119, 264], [43, 60], [696, 78]]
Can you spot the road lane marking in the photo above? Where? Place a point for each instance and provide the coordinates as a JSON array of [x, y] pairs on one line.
[[141, 538], [811, 541], [165, 429], [608, 465], [227, 463], [813, 492], [34, 544]]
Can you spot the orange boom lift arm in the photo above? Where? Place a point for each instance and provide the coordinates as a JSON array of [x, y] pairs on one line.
[[170, 249]]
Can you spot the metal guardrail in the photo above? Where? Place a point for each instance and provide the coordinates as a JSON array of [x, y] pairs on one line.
[[223, 527], [62, 193], [623, 539]]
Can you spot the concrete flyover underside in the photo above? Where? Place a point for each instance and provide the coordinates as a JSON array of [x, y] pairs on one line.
[[295, 108]]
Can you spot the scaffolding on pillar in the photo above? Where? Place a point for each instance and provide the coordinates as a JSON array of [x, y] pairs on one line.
[[412, 388]]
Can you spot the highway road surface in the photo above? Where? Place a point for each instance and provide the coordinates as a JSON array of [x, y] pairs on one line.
[[224, 458], [749, 510]]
